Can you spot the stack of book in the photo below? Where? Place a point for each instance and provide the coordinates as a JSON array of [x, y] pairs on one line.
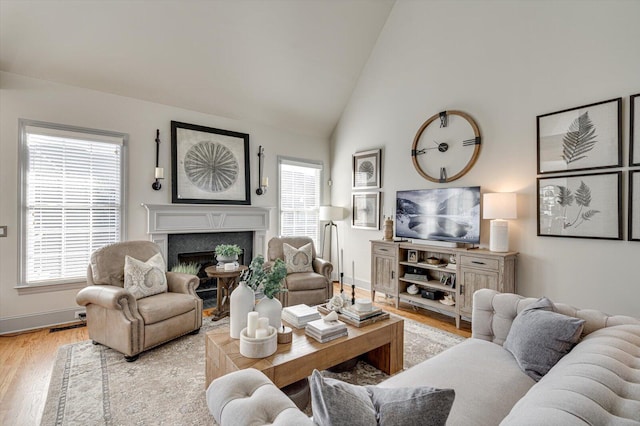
[[299, 315], [351, 312], [325, 331]]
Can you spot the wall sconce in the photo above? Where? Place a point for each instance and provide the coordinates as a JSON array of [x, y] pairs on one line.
[[159, 172], [499, 206], [263, 182]]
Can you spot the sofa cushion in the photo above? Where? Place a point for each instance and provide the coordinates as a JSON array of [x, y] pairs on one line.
[[161, 306], [539, 337], [597, 383], [477, 371], [298, 259], [338, 403], [144, 279]]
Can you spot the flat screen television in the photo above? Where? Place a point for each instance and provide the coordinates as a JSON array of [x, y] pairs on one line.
[[439, 214]]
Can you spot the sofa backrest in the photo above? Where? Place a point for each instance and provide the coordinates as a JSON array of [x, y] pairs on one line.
[[107, 263], [494, 312]]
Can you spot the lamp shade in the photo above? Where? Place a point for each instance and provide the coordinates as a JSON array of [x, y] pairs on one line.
[[499, 205], [330, 213]]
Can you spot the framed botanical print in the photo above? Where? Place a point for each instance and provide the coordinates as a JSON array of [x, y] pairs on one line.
[[583, 138], [634, 205], [581, 206], [365, 210], [634, 130], [209, 166], [366, 169]]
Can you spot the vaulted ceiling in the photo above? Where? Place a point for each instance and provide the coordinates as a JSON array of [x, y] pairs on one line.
[[289, 64]]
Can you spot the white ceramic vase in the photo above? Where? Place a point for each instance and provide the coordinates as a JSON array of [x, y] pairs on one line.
[[241, 302], [272, 309]]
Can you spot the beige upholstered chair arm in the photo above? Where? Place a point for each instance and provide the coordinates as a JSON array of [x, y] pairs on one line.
[[248, 397], [182, 283], [323, 267], [109, 297]]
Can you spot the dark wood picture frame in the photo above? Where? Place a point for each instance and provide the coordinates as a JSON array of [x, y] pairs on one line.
[[634, 205], [209, 165], [580, 206], [366, 173], [587, 137], [365, 210], [634, 130]]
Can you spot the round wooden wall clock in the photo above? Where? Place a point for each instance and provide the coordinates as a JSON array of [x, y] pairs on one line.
[[446, 146]]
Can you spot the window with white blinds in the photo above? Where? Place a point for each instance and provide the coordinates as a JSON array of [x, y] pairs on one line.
[[72, 184], [299, 198]]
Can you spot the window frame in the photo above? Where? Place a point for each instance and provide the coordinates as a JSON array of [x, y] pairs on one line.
[[316, 164], [23, 166]]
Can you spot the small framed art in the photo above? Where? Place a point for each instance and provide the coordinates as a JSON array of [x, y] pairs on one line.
[[634, 130], [366, 169], [412, 256], [634, 205], [581, 206], [365, 210], [583, 138], [209, 166]]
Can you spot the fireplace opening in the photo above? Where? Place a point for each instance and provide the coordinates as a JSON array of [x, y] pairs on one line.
[[199, 249], [208, 288]]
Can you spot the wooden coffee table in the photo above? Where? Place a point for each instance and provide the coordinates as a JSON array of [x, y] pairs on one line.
[[382, 342]]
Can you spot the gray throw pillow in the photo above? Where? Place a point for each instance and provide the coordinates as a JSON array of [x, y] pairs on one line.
[[540, 337], [337, 403]]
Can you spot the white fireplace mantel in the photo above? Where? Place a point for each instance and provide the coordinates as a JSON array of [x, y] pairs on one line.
[[165, 219]]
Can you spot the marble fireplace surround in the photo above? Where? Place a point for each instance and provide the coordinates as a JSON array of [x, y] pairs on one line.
[[165, 219]]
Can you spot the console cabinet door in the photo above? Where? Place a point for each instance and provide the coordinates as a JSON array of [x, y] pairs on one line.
[[474, 279], [384, 261]]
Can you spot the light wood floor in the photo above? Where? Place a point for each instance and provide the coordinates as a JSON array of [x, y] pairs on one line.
[[26, 360]]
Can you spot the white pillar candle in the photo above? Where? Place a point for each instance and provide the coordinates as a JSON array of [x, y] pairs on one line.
[[159, 173], [263, 323], [261, 333], [353, 272], [252, 324], [265, 181]]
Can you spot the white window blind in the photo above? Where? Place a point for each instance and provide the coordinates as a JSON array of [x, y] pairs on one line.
[[72, 190], [299, 198]]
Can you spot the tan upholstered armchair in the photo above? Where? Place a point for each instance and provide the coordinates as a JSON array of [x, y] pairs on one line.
[[312, 287], [120, 321]]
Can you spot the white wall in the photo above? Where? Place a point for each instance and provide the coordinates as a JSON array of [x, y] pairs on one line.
[[504, 63], [23, 97]]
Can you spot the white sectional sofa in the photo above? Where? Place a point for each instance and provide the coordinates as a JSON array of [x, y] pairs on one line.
[[596, 383]]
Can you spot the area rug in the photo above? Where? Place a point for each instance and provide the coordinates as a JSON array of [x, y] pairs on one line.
[[94, 385]]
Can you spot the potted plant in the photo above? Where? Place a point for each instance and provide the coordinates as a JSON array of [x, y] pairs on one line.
[[270, 307], [187, 268], [227, 253]]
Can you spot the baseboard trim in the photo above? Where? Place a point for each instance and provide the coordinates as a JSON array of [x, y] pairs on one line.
[[30, 322]]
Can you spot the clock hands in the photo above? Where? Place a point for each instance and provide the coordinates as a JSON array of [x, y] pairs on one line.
[[444, 146]]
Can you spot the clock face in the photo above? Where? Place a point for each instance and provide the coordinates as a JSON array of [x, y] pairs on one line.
[[446, 146]]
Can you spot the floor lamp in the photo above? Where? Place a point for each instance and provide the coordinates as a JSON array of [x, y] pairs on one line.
[[330, 214]]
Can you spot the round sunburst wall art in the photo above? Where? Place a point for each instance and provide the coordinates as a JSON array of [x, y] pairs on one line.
[[211, 166]]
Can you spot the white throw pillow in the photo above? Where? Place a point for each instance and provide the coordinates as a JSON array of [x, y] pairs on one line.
[[143, 279], [298, 259]]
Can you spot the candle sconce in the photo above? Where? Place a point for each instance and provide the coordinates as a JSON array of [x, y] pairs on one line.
[[159, 171], [263, 182]]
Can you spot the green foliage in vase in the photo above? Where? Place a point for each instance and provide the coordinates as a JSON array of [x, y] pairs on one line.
[[273, 282], [582, 198], [579, 139], [255, 275], [187, 268], [228, 250]]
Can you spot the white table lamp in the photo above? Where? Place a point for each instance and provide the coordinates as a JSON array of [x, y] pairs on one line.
[[499, 207]]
